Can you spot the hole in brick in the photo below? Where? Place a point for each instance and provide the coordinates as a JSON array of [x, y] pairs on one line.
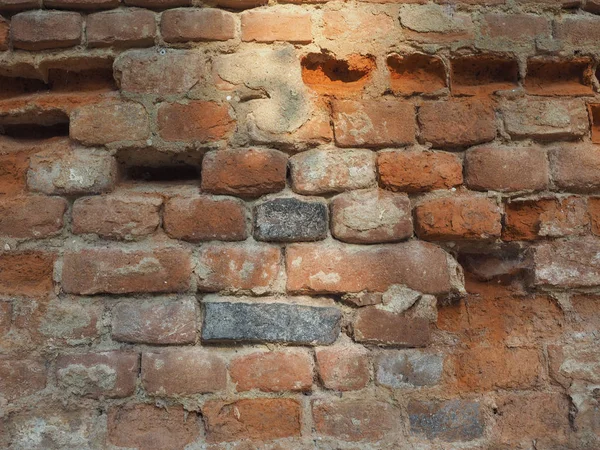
[[594, 111], [152, 166], [326, 74], [472, 75], [416, 73], [551, 77], [35, 125]]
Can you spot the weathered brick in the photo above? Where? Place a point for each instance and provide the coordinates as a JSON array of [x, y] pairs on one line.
[[4, 34], [343, 368], [260, 419], [530, 118], [269, 322], [78, 171], [340, 268], [567, 263], [355, 419], [547, 217], [183, 371], [449, 421], [506, 169], [107, 374], [373, 124], [121, 28], [104, 123], [381, 327], [117, 216], [545, 420], [194, 121], [14, 161], [271, 26], [207, 24], [371, 217], [148, 426], [576, 167], [579, 31], [408, 368], [19, 5], [233, 267], [290, 220], [290, 370], [203, 218], [574, 362], [245, 173], [457, 123], [499, 31], [155, 321], [357, 25], [594, 212], [81, 4], [418, 171], [32, 216], [40, 30], [174, 72], [433, 22], [26, 273], [489, 368], [119, 271], [457, 218], [20, 378], [318, 172]]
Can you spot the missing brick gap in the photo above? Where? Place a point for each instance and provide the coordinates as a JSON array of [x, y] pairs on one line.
[[483, 74], [416, 73], [594, 112], [326, 74], [559, 77], [153, 166], [35, 125]]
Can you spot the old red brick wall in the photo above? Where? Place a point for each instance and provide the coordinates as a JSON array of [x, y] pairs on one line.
[[299, 225]]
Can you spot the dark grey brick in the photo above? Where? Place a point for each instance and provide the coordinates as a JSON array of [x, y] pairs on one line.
[[409, 368], [270, 322], [290, 220], [455, 420]]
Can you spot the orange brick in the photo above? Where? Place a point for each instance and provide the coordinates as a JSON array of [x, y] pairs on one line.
[[268, 26]]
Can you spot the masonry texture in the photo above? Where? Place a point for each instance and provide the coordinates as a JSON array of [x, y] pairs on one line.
[[290, 224]]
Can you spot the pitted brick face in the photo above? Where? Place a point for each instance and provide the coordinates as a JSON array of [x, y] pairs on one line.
[[243, 224]]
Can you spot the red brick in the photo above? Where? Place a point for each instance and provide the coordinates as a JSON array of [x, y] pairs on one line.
[[317, 172], [576, 167], [149, 72], [121, 28], [381, 327], [457, 218], [40, 30], [290, 370], [236, 266], [507, 169], [183, 371], [151, 427], [592, 6], [245, 173], [4, 33], [26, 273], [19, 5], [270, 26], [578, 30], [547, 217], [504, 30], [355, 419], [194, 121], [418, 171], [6, 311], [594, 212], [118, 271], [457, 123], [117, 216], [109, 122], [262, 419], [207, 24], [488, 368], [20, 378], [81, 4], [341, 269], [31, 216], [545, 420], [14, 162], [107, 374], [204, 218], [343, 368], [371, 123], [155, 321], [371, 216]]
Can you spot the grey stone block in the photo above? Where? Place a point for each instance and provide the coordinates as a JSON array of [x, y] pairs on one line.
[[455, 420], [409, 368]]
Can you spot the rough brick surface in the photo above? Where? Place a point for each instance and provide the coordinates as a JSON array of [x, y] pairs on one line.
[[408, 368], [194, 121], [129, 28], [184, 25], [263, 26], [26, 273], [31, 216], [40, 30], [343, 368], [455, 420]]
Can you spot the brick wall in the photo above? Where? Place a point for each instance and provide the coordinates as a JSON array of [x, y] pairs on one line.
[[299, 225]]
